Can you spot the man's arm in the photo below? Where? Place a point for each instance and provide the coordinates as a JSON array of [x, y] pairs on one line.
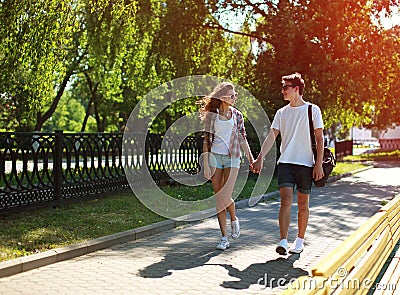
[[265, 148], [318, 172]]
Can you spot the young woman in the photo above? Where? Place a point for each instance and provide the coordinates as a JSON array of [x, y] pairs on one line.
[[224, 136]]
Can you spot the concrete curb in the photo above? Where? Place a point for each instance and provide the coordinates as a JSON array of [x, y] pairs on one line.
[[18, 265]]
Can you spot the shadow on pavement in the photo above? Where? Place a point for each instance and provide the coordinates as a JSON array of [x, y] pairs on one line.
[[177, 261], [333, 209], [340, 202], [271, 274]]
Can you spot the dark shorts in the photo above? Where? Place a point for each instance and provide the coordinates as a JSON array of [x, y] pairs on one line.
[[290, 175]]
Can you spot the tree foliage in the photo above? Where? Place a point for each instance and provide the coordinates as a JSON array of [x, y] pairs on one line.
[[34, 36], [106, 55], [349, 61]]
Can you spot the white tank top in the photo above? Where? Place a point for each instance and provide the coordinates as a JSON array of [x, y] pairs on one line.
[[222, 136]]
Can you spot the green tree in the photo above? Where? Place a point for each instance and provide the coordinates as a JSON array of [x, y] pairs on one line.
[[347, 58], [177, 47], [68, 116], [33, 38], [109, 54]]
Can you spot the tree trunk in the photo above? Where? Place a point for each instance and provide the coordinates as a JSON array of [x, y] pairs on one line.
[[88, 110], [97, 117], [42, 119], [93, 90]]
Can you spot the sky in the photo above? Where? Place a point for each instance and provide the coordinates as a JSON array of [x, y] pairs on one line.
[[394, 20], [234, 22]]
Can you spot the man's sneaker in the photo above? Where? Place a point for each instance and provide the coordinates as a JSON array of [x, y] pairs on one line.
[[298, 246], [235, 226], [282, 247], [223, 244]]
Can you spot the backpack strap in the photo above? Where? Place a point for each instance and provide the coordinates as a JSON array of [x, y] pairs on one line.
[[312, 134]]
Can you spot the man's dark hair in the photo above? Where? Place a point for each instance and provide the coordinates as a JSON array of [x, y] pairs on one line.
[[296, 80]]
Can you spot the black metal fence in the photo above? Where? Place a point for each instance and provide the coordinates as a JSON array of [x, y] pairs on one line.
[[51, 169]]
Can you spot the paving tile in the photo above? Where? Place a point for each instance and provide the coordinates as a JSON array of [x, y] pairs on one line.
[[184, 260]]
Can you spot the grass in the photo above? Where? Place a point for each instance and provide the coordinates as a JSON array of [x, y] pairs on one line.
[[343, 167], [40, 230], [37, 231], [375, 156]]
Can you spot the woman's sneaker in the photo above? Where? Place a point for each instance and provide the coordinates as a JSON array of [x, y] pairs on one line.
[[282, 247], [235, 226], [223, 244]]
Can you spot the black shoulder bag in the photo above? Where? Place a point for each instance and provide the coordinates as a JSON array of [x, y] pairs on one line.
[[328, 162]]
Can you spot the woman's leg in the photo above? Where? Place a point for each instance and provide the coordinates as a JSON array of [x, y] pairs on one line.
[[218, 183], [224, 182], [230, 176]]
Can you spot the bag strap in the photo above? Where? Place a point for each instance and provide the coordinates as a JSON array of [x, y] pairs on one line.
[[312, 134]]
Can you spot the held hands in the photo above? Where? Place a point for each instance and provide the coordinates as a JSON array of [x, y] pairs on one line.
[[256, 165]]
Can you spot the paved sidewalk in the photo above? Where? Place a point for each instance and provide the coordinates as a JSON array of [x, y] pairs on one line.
[[184, 260]]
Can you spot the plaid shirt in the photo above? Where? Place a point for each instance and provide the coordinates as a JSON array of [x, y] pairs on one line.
[[238, 135]]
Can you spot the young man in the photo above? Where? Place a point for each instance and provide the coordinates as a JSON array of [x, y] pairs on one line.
[[296, 166]]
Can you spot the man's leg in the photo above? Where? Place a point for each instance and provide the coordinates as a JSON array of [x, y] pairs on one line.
[[303, 214], [286, 194], [304, 183], [302, 220], [286, 182]]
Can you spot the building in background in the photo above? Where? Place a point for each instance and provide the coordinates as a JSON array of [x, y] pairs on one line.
[[389, 139], [386, 140]]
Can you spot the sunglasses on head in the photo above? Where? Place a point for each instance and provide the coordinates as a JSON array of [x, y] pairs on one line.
[[285, 87]]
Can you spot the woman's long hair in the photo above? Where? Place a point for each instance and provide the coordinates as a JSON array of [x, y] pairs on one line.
[[210, 103]]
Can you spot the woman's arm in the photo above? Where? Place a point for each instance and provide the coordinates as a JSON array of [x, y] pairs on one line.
[[246, 149], [206, 142]]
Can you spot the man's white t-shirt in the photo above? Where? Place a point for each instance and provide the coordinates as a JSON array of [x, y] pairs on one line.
[[292, 123]]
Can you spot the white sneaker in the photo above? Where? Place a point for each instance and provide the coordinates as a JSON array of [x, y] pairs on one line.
[[298, 246], [235, 226], [223, 244], [282, 247]]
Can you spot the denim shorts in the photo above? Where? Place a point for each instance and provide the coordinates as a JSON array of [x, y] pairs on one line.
[[223, 161], [290, 175]]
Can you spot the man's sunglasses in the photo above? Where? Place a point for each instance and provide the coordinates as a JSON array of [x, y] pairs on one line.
[[285, 87]]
